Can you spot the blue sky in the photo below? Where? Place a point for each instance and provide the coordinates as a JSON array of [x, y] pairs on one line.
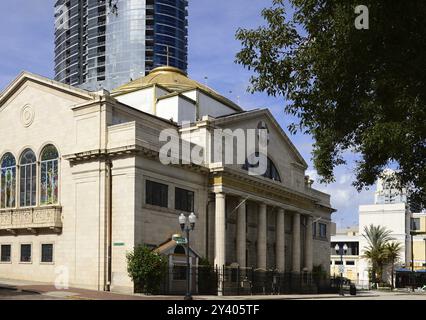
[[26, 34]]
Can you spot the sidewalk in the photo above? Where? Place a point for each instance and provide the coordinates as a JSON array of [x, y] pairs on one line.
[[49, 290]]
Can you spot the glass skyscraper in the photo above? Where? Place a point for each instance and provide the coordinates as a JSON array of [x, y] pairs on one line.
[[104, 44]]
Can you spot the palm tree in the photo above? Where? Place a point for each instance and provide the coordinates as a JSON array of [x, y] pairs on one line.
[[377, 237], [393, 252]]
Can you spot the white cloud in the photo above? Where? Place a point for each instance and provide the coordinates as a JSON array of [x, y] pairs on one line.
[[344, 197]]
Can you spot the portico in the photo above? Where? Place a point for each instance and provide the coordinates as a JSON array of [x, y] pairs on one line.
[[268, 216]]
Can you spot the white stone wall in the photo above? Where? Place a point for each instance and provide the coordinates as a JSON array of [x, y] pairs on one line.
[[77, 247]]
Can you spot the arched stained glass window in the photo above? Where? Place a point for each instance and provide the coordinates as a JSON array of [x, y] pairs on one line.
[[271, 170], [7, 181], [28, 179], [49, 182]]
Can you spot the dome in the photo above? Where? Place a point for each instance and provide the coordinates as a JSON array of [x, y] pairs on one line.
[[174, 80]]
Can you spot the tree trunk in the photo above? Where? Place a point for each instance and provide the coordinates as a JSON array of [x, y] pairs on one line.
[[392, 279], [373, 274]]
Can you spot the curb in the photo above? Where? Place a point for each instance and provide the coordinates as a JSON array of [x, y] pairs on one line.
[[333, 297]]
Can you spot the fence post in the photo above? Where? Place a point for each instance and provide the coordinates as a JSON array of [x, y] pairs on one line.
[[238, 281], [251, 281], [223, 280]]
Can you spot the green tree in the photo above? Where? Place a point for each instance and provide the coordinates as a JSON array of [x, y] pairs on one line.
[[393, 253], [146, 268], [353, 90], [377, 238]]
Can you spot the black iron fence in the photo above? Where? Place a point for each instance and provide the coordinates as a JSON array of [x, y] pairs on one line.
[[244, 281], [408, 279]]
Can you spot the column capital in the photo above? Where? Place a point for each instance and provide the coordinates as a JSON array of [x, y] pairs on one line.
[[220, 194]]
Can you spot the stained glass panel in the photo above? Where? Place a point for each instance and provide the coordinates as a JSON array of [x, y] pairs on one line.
[[49, 176], [8, 181], [28, 177]]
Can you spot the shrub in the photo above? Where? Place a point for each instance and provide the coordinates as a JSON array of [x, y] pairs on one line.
[[147, 269]]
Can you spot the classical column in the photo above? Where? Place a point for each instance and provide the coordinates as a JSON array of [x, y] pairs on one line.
[[211, 229], [309, 244], [220, 230], [241, 233], [220, 238], [261, 237], [280, 241], [296, 243]]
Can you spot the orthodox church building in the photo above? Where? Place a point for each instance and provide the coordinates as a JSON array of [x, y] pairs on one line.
[[82, 183]]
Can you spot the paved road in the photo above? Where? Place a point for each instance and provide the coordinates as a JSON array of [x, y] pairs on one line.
[[383, 296], [8, 294], [20, 290]]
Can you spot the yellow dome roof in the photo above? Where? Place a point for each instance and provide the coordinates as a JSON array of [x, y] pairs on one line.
[[174, 80]]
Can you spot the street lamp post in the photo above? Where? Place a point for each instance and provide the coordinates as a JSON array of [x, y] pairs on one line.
[[341, 252], [183, 221]]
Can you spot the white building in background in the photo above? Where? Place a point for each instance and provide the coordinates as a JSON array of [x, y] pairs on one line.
[[390, 210]]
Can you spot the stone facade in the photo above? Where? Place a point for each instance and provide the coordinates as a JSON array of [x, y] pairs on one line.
[[109, 149]]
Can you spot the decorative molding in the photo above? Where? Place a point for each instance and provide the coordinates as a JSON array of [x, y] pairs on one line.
[[31, 219], [27, 115]]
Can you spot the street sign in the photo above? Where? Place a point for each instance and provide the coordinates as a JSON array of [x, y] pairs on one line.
[[341, 269], [180, 240]]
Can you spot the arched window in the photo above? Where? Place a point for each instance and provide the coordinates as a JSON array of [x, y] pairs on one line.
[[271, 170], [28, 179], [8, 181], [49, 175]]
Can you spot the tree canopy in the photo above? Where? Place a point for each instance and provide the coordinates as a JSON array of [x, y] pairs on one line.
[[361, 91]]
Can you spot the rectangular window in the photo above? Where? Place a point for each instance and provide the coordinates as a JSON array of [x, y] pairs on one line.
[[157, 194], [322, 230], [25, 253], [5, 253], [184, 200], [415, 224], [47, 252], [338, 263], [350, 263]]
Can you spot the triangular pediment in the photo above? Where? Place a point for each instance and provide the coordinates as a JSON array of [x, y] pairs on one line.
[[272, 124], [26, 77]]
